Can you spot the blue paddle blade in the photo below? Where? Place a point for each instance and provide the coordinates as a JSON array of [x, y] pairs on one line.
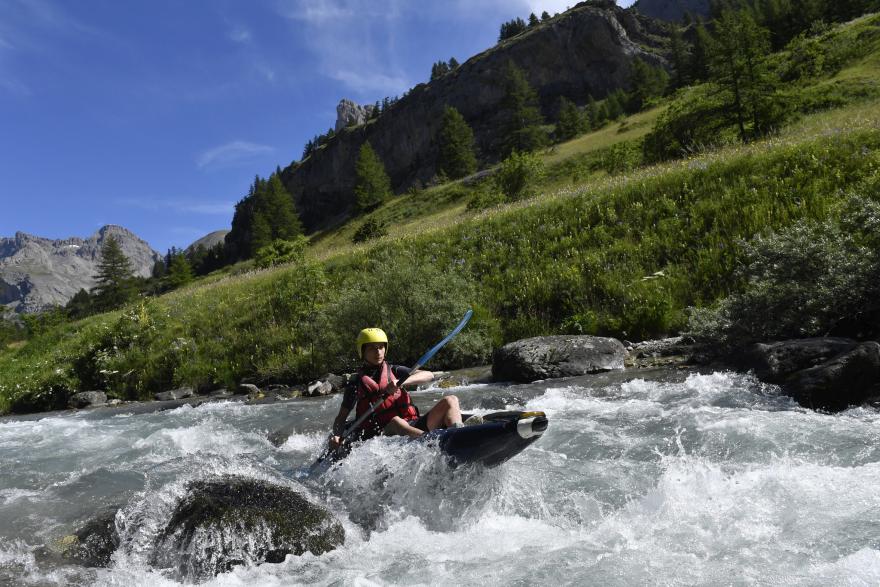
[[433, 351]]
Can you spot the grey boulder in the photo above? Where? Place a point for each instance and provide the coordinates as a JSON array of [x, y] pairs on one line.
[[549, 357], [86, 399]]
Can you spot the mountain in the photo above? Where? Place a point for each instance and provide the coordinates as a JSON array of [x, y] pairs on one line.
[[672, 10], [37, 273], [208, 241], [585, 51]]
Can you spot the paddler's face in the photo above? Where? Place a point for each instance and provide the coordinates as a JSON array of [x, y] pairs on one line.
[[374, 353]]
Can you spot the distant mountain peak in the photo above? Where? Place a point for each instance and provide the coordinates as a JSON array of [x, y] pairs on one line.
[[37, 273]]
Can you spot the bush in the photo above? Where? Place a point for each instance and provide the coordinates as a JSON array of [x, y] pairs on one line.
[[282, 251], [369, 229], [811, 279], [519, 175]]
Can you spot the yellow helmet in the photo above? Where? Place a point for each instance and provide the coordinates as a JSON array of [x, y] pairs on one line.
[[370, 335]]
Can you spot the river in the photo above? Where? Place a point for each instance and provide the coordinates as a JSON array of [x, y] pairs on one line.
[[654, 477]]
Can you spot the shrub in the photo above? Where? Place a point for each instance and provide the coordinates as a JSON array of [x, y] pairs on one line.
[[519, 175], [281, 251], [811, 279], [369, 229]]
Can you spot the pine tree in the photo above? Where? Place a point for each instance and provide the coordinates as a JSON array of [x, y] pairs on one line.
[[680, 58], [179, 272], [595, 117], [114, 285], [372, 185], [613, 105], [739, 66], [533, 20], [512, 28], [278, 206], [520, 115], [699, 62], [545, 16], [456, 157], [453, 63], [647, 82], [570, 122]]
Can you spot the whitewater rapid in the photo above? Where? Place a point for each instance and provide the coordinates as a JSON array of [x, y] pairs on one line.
[[642, 478]]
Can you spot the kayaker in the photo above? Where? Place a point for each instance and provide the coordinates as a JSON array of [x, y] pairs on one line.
[[376, 379]]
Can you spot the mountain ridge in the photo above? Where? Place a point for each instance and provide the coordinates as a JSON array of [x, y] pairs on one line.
[[37, 273], [586, 51]]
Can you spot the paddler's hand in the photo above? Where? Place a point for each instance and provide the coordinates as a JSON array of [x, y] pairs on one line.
[[390, 390], [335, 442]]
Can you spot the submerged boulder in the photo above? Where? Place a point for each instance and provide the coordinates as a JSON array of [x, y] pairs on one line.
[[92, 544], [233, 520], [549, 357]]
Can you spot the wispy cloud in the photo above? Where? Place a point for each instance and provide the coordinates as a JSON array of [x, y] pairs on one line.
[[180, 206], [240, 34], [231, 154], [354, 41]]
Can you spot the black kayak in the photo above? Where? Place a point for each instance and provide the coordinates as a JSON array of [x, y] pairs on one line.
[[501, 436]]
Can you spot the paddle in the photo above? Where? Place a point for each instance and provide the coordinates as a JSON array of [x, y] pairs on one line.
[[422, 360]]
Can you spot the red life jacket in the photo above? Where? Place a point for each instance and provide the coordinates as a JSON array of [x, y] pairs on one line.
[[369, 392]]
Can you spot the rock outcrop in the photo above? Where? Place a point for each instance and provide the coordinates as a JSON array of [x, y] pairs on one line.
[[234, 520], [38, 273], [672, 10], [587, 51], [820, 373], [350, 113], [549, 357]]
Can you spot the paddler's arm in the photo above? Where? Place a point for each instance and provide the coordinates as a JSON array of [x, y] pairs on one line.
[[418, 378], [338, 427]]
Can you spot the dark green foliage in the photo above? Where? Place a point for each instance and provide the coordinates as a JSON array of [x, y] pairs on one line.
[[533, 20], [614, 105], [372, 185], [280, 251], [739, 66], [680, 58], [456, 157], [812, 279], [114, 285], [570, 122], [82, 304], [693, 122], [179, 272], [267, 213], [700, 54], [520, 116], [519, 176], [369, 230], [545, 16], [595, 115], [646, 83], [511, 28]]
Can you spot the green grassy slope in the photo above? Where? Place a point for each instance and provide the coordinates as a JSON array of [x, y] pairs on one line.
[[621, 253]]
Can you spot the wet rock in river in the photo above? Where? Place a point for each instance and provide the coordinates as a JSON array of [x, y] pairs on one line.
[[233, 520]]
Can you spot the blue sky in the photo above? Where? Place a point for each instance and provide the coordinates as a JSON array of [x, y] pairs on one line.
[[157, 114]]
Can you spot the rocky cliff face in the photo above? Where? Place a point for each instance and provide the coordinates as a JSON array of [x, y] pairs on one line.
[[672, 10], [586, 51], [37, 273]]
